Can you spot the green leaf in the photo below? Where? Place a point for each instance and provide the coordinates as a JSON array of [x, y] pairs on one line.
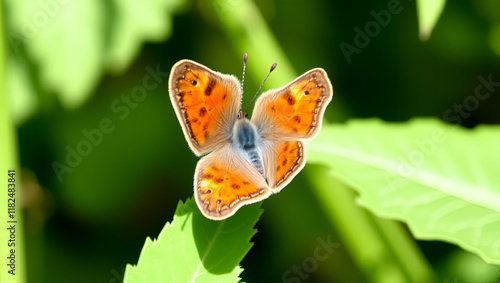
[[194, 248], [72, 43], [429, 12], [138, 21], [66, 45], [440, 179]]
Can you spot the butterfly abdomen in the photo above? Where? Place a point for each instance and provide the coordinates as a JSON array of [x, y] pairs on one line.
[[256, 161], [246, 138]]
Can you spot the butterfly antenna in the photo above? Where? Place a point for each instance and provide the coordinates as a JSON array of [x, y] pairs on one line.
[[245, 58], [272, 69]]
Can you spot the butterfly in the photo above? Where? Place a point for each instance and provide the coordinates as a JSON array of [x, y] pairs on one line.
[[244, 161]]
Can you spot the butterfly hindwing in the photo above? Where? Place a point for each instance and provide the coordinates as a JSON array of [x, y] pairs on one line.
[[284, 160], [225, 181], [206, 104]]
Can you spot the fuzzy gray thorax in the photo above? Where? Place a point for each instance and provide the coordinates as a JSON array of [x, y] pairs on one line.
[[246, 138]]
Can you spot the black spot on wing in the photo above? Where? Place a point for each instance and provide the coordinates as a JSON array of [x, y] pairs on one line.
[[209, 88]]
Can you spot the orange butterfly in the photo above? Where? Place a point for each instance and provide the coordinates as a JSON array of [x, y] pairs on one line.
[[246, 160]]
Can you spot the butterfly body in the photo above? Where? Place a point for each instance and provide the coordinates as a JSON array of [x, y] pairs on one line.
[[247, 139], [244, 161]]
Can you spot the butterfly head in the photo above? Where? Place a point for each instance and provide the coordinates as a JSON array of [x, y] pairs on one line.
[[242, 115]]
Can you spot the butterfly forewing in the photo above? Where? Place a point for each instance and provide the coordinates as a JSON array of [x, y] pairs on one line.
[[296, 110], [206, 104]]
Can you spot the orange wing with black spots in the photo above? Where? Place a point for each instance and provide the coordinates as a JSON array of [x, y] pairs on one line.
[[206, 104], [296, 110], [283, 161], [225, 181]]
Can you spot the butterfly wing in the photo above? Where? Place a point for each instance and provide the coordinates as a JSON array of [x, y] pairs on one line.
[[283, 160], [295, 111], [206, 104], [284, 117], [224, 181]]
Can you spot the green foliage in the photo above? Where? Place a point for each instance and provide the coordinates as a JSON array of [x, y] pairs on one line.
[[9, 161], [379, 246], [437, 178], [193, 248], [74, 42], [429, 12]]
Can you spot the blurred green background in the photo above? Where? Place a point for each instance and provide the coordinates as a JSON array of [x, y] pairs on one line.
[[70, 65]]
